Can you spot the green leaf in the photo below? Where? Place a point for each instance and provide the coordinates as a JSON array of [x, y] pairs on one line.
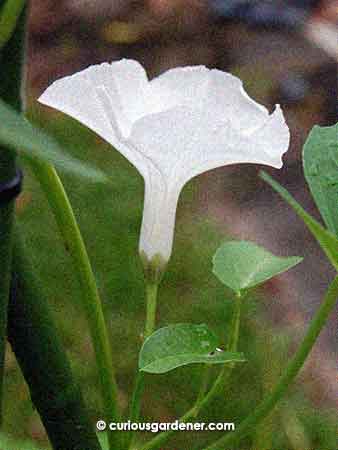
[[241, 264], [320, 161], [18, 134], [181, 344], [327, 240]]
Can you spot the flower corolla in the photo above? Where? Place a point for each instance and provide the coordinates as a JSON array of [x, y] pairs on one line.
[[182, 123]]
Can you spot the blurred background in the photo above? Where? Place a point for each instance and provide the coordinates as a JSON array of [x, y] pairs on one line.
[[285, 52]]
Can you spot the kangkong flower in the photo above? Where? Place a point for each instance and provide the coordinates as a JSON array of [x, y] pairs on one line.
[[172, 128]]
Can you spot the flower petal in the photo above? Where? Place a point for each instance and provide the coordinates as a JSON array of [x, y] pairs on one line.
[[77, 96], [179, 86], [125, 82], [227, 98], [272, 138], [130, 80], [264, 146], [184, 142], [92, 97]]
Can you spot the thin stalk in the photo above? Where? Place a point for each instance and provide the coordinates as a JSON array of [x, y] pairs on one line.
[[290, 373], [205, 378], [151, 299], [236, 320], [224, 375], [216, 389], [33, 335], [151, 294], [58, 201]]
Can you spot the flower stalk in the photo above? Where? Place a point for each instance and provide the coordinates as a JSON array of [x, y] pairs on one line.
[[151, 299], [151, 295]]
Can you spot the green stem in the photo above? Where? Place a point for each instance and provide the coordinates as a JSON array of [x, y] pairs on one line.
[[151, 299], [224, 375], [236, 320], [58, 200], [9, 14], [289, 374], [33, 335], [216, 389], [151, 295], [205, 378]]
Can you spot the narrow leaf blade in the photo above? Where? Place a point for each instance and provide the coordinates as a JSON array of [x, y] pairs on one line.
[[320, 162], [181, 344], [327, 240], [242, 265], [17, 134]]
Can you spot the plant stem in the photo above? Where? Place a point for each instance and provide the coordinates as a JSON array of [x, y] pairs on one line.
[[217, 387], [33, 335], [236, 320], [224, 375], [58, 200], [205, 378], [289, 374], [151, 299], [151, 294]]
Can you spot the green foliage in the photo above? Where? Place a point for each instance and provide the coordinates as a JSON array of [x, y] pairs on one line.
[[242, 265], [327, 241], [320, 161], [33, 144], [181, 344]]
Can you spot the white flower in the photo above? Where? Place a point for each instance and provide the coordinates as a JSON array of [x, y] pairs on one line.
[[172, 128]]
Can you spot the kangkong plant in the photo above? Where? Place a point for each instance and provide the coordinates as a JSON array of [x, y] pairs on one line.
[[171, 128]]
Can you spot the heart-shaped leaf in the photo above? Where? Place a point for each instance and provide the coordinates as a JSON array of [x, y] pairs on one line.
[[181, 344], [327, 240], [320, 161], [241, 264], [17, 134]]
